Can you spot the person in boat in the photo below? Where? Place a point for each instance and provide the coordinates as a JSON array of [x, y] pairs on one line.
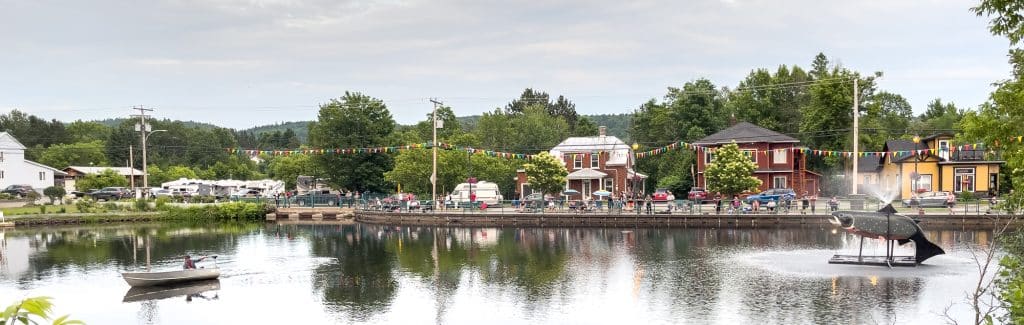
[[190, 264]]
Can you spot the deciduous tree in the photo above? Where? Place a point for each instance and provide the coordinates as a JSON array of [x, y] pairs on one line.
[[731, 172], [353, 121], [546, 173]]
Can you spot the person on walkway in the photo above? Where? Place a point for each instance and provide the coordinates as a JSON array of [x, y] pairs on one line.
[[755, 206], [833, 204], [648, 203], [805, 201], [771, 206], [735, 204], [814, 201], [718, 204], [950, 201]]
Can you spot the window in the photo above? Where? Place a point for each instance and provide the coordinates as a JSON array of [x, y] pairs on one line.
[[709, 157], [779, 182], [609, 184], [944, 149], [1, 156], [577, 161], [963, 180], [1, 174], [751, 153], [993, 182], [586, 187], [42, 176], [595, 160], [924, 184], [779, 156]]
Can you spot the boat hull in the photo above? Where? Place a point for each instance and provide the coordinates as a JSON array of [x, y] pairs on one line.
[[135, 294], [145, 279]]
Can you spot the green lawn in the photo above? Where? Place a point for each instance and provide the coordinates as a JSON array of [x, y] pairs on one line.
[[68, 208]]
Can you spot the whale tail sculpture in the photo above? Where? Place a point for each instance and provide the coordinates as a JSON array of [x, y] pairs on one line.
[[886, 224]]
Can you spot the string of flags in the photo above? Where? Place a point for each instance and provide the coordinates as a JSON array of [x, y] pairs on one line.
[[642, 154], [375, 150]]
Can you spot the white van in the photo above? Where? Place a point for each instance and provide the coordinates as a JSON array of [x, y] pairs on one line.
[[485, 192]]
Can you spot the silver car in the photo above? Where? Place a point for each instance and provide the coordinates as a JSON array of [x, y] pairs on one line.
[[929, 199]]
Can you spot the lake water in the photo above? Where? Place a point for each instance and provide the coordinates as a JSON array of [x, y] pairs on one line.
[[288, 274]]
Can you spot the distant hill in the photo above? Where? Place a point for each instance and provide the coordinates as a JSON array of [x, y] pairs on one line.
[[301, 129], [114, 122]]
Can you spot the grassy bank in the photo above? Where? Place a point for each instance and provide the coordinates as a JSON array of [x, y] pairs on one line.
[[234, 211]]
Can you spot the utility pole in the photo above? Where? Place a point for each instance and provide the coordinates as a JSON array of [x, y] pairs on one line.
[[143, 128], [131, 166], [433, 175], [856, 135]]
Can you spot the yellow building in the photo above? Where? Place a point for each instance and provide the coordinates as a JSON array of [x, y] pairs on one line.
[[939, 163]]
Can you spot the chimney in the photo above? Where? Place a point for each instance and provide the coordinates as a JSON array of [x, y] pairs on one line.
[[732, 119], [602, 131]]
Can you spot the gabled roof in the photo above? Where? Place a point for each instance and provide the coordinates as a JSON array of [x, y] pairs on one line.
[[744, 132], [123, 171], [55, 171], [7, 137], [869, 163], [619, 151], [904, 147], [586, 173]]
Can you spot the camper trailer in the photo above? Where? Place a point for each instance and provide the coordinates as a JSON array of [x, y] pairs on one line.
[[485, 192]]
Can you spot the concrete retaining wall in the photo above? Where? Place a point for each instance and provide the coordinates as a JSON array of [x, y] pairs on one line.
[[632, 220]]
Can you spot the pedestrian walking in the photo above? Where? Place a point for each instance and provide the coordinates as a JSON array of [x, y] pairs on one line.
[[814, 201], [718, 204], [833, 204], [950, 201], [648, 203], [805, 201]]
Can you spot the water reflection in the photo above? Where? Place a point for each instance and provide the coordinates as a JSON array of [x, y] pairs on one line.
[[379, 274]]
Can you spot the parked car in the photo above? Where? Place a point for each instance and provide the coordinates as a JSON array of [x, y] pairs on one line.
[[318, 197], [18, 190], [928, 199], [697, 194], [246, 193], [111, 193], [161, 192], [775, 194], [660, 194]]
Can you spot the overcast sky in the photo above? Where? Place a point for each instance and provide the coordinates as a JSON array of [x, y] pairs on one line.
[[239, 63]]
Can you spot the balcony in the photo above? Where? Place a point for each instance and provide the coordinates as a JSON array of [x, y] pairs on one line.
[[973, 155]]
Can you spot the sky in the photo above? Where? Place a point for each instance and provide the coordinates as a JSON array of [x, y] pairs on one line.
[[241, 63]]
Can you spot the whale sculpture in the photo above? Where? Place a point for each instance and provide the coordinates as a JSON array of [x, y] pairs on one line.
[[886, 224]]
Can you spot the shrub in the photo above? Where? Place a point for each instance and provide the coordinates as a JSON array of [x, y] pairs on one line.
[[162, 201], [62, 210], [55, 193], [111, 206], [141, 205], [5, 196], [226, 211], [85, 205], [208, 199], [966, 196], [33, 195], [42, 209]]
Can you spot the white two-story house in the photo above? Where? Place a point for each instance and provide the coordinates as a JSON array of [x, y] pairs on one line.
[[16, 170]]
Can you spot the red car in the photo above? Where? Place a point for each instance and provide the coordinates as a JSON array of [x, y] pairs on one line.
[[697, 194], [660, 194]]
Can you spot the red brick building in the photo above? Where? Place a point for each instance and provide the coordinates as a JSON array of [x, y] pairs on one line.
[[594, 163], [780, 162]]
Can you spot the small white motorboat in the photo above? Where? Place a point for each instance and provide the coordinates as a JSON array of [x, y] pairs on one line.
[[145, 279]]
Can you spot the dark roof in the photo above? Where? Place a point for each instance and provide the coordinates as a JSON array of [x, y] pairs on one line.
[[744, 132], [902, 145], [936, 135], [869, 163]]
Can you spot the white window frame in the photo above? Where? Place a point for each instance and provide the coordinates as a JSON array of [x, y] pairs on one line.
[[921, 182], [595, 160], [609, 185], [709, 157], [752, 153], [577, 161], [775, 183], [959, 174], [943, 147], [779, 156]]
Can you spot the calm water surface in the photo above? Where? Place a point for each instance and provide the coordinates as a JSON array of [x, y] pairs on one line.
[[288, 274]]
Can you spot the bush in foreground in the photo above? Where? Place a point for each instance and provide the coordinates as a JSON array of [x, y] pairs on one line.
[[226, 211]]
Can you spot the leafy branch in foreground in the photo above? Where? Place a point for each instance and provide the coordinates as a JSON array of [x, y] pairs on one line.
[[31, 311]]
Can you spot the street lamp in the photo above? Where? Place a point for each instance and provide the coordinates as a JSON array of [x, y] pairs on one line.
[[145, 173]]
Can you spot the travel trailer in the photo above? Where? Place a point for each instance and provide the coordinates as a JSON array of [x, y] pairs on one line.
[[485, 192]]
